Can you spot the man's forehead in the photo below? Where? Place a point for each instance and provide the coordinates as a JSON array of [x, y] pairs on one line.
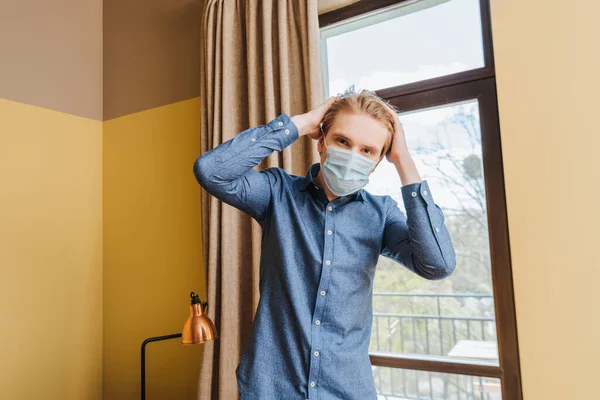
[[358, 126]]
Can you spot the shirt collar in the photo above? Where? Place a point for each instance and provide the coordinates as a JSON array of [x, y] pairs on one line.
[[311, 175]]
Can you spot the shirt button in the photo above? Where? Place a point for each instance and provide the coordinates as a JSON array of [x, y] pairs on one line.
[[280, 123], [316, 354], [424, 192], [312, 384], [330, 208], [318, 322], [437, 229], [287, 131], [330, 232], [327, 262], [254, 139], [322, 293], [414, 194]]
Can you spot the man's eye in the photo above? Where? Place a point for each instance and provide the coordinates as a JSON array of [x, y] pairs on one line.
[[368, 151], [341, 141]]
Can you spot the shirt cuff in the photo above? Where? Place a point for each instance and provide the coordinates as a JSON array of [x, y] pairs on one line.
[[416, 194], [286, 130]]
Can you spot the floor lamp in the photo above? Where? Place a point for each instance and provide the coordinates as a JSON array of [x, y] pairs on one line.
[[197, 329]]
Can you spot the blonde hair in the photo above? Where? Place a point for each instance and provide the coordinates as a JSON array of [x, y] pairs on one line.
[[364, 102]]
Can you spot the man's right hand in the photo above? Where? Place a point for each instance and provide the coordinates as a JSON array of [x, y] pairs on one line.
[[309, 123]]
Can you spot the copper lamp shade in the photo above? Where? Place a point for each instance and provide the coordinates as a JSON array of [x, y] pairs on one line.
[[198, 328]]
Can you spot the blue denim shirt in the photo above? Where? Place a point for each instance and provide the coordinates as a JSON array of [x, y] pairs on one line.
[[310, 336]]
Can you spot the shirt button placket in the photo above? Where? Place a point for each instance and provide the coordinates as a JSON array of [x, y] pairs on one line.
[[320, 303]]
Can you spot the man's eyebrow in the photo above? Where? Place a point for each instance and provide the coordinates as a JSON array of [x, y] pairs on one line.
[[342, 136]]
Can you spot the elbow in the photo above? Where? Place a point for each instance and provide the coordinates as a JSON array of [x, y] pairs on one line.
[[444, 265], [202, 171], [445, 269], [438, 273], [438, 270]]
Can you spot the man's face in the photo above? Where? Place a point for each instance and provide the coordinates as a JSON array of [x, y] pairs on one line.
[[356, 132]]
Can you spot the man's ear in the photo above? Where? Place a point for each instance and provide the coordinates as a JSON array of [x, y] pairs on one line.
[[321, 143]]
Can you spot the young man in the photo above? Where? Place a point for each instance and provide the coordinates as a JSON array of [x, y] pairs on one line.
[[322, 236]]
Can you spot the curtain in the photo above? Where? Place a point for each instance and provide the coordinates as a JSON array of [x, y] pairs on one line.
[[260, 59]]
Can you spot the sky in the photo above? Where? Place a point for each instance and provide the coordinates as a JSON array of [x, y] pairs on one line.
[[424, 44]]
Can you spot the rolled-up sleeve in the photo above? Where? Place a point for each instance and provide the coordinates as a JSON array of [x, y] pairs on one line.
[[419, 240]]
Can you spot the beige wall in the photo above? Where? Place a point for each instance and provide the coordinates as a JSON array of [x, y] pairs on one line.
[[547, 64]]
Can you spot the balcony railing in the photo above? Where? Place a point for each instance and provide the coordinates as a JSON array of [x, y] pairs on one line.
[[433, 325]]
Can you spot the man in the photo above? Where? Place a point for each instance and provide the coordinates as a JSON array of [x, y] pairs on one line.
[[322, 236]]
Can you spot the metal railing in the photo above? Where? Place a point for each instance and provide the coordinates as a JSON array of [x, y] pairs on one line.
[[430, 324]]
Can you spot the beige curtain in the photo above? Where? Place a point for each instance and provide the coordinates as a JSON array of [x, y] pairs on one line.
[[260, 59]]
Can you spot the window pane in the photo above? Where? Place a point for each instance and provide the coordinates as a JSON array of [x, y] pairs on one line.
[[396, 384], [453, 317], [410, 43]]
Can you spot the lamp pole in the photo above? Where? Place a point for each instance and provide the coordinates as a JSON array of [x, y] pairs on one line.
[[143, 363]]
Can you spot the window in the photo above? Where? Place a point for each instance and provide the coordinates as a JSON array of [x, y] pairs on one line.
[[404, 44], [432, 59]]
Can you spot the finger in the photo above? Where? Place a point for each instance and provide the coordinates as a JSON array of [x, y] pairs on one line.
[[324, 106], [329, 101]]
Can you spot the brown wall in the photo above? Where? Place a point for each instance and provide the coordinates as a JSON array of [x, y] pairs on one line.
[[51, 54], [151, 54]]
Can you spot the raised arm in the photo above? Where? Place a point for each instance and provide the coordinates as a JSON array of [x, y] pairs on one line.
[[227, 173]]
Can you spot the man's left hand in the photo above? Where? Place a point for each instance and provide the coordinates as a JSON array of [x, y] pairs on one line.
[[398, 148]]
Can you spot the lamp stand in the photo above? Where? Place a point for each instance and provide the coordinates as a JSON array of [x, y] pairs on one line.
[[152, 339]]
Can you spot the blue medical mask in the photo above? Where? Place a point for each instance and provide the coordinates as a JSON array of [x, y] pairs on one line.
[[346, 171]]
